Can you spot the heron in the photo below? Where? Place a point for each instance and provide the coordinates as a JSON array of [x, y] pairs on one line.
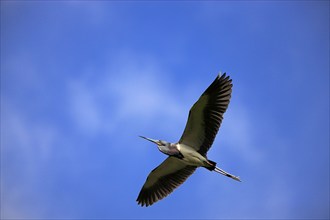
[[190, 152]]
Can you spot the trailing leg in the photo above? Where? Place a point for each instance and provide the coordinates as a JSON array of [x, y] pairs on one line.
[[212, 166]]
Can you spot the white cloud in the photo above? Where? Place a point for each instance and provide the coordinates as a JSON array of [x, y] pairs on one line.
[[129, 89], [29, 138], [239, 133], [26, 148], [84, 107]]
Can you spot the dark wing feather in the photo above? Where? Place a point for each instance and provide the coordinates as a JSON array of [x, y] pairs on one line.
[[206, 115], [163, 180]]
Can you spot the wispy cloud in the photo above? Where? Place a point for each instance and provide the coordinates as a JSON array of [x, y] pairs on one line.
[[132, 88], [84, 108], [26, 148]]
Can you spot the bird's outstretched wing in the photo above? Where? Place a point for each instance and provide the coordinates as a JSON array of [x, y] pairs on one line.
[[206, 115], [163, 180]]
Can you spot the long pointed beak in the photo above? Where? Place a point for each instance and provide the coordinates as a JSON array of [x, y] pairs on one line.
[[149, 139]]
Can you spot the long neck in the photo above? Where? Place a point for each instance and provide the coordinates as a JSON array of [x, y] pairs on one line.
[[170, 149]]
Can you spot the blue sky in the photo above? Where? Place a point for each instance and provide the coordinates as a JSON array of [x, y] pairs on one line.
[[80, 80]]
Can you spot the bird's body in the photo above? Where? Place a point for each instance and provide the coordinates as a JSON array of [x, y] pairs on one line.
[[190, 152], [184, 152], [192, 157]]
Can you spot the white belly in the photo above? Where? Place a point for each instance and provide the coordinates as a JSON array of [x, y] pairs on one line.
[[191, 156]]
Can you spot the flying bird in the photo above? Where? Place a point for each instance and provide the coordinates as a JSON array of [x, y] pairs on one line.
[[189, 153]]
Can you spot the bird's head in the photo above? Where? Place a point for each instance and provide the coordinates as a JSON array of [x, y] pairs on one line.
[[160, 143]]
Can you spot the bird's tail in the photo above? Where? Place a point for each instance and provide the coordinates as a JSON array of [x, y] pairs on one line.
[[214, 167]]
